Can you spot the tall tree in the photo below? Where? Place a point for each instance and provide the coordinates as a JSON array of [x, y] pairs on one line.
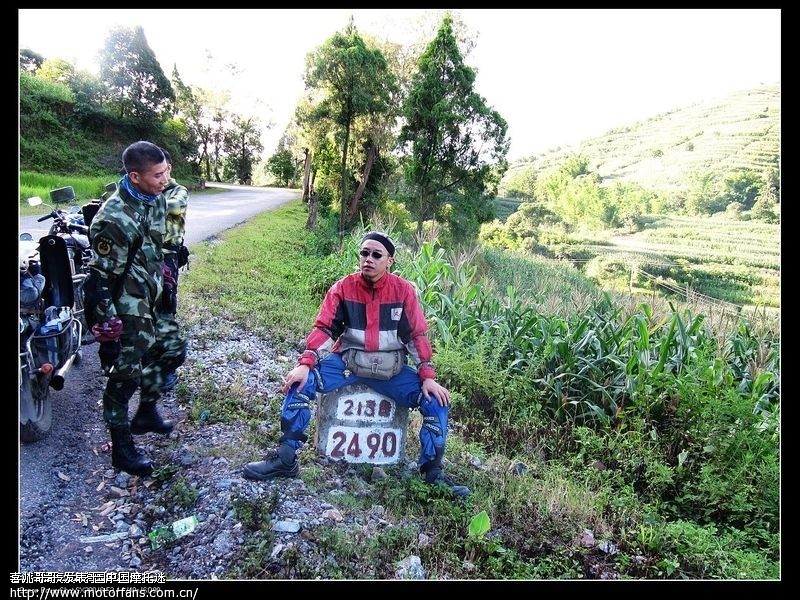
[[217, 141], [212, 121], [281, 166], [355, 81], [138, 87], [189, 110], [454, 140], [242, 144]]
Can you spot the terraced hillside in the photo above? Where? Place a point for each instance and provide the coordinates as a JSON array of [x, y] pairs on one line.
[[741, 131]]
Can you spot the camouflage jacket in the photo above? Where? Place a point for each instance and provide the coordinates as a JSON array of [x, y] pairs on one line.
[[114, 232], [177, 200]]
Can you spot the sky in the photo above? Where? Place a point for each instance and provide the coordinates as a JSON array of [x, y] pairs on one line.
[[557, 76]]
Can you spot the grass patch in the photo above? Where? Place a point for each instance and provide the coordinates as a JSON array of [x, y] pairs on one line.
[[40, 184], [268, 275]]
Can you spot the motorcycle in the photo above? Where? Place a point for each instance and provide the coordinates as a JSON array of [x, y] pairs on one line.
[[52, 324]]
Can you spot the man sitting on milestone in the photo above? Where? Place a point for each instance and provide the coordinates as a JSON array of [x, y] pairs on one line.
[[371, 310]]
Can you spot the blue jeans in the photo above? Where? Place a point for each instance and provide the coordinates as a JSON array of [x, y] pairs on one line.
[[404, 388]]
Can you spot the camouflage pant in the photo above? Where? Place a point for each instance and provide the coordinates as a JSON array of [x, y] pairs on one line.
[[150, 349]]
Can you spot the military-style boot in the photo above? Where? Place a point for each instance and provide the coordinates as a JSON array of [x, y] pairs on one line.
[[147, 420], [125, 456], [278, 463], [432, 470]]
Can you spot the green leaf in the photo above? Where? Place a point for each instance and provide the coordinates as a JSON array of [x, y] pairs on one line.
[[479, 525]]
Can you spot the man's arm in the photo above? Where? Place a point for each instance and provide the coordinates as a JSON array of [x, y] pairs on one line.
[[177, 200], [419, 346], [327, 327], [111, 248]]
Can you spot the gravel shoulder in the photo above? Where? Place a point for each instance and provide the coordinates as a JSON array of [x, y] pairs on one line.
[[78, 514]]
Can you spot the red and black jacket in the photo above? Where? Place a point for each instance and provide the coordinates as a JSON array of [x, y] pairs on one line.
[[386, 315]]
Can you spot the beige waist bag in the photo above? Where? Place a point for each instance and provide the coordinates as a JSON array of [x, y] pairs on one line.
[[375, 365]]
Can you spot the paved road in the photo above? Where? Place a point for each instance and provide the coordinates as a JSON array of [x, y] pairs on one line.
[[208, 214]]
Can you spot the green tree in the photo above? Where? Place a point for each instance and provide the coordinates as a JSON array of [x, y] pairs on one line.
[[351, 81], [137, 87], [452, 137], [29, 61], [743, 187], [210, 130], [242, 145], [190, 111], [520, 183], [281, 166], [90, 93], [633, 201], [773, 182], [704, 196], [216, 141], [57, 70], [576, 165]]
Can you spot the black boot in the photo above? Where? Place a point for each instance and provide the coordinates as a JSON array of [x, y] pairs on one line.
[[280, 463], [125, 456], [147, 419], [434, 475]]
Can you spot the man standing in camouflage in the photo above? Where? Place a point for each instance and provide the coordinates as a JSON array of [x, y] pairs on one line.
[[177, 197], [128, 278]]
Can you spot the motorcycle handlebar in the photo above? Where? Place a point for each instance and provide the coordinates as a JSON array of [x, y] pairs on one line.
[[61, 219], [79, 228]]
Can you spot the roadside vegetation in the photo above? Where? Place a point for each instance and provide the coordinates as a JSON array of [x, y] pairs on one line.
[[587, 416], [611, 338]]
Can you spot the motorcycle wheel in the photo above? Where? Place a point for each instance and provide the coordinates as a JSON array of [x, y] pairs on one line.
[[39, 406]]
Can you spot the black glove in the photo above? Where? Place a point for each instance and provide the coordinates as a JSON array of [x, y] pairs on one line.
[[169, 294], [169, 300], [108, 353], [169, 276]]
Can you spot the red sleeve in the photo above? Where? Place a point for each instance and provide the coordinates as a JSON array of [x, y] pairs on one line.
[[422, 352], [321, 338]]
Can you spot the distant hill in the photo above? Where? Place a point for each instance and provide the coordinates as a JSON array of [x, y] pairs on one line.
[[741, 131]]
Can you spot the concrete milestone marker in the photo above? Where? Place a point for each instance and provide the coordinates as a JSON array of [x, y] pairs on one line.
[[358, 425]]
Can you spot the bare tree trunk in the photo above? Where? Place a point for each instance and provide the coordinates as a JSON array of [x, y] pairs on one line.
[[420, 215], [343, 184], [372, 156], [313, 204], [306, 173]]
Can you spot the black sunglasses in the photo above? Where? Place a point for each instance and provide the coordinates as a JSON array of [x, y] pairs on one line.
[[375, 254]]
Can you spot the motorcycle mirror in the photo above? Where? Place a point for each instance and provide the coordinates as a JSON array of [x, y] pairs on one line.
[[64, 194], [35, 201]]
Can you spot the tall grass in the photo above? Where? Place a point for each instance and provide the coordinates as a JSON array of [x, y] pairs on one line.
[[38, 184]]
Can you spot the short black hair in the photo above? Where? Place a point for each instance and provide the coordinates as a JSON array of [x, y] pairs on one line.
[[140, 155], [167, 155]]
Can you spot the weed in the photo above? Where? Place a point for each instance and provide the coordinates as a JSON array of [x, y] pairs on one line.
[[182, 493]]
